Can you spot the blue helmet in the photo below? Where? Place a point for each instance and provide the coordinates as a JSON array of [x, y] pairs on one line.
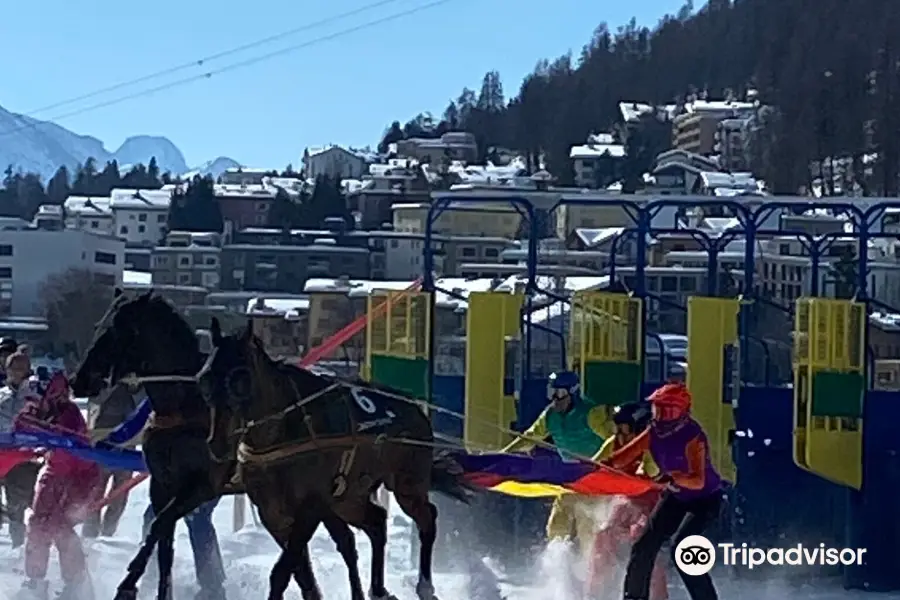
[[564, 380], [636, 415]]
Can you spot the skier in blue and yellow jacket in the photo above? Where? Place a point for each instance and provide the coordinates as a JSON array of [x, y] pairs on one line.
[[578, 428]]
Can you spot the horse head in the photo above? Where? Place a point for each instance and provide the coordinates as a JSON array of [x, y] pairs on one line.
[[142, 336]]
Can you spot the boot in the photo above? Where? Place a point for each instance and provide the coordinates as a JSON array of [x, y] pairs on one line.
[[33, 589], [17, 534]]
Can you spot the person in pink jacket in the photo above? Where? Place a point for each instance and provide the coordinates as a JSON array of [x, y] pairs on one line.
[[66, 487]]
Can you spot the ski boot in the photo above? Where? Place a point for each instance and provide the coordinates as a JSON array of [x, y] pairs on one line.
[[33, 589]]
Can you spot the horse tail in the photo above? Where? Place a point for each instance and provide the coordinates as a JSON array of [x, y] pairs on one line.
[[447, 478]]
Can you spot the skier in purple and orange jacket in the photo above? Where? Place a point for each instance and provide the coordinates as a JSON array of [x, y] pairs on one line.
[[693, 497]]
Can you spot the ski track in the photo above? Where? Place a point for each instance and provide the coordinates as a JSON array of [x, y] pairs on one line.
[[250, 553]]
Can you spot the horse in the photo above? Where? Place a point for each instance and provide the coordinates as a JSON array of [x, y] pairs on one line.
[[147, 339], [314, 443]]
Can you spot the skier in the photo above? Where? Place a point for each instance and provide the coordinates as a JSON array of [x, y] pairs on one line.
[[204, 541], [627, 517], [693, 494], [578, 428], [66, 486], [19, 480]]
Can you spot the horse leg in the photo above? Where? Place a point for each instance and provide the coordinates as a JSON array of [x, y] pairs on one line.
[[128, 587], [424, 515], [280, 576], [346, 545], [166, 518], [165, 557], [304, 526], [375, 527]]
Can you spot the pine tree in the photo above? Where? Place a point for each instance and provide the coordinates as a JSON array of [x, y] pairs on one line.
[[58, 188]]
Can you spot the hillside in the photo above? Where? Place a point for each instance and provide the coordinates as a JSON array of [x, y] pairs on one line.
[[832, 76]]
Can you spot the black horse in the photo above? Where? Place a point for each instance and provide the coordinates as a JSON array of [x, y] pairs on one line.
[[313, 444], [144, 340]]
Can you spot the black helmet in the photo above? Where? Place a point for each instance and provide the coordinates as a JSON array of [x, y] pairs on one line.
[[637, 415], [8, 344]]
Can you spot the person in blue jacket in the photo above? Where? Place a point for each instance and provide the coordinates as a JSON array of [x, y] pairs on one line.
[[204, 541]]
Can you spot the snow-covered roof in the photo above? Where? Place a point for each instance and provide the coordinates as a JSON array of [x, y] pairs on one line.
[[594, 237], [96, 206], [136, 278], [632, 111], [571, 285], [140, 199], [261, 191], [717, 106], [599, 144], [289, 308]]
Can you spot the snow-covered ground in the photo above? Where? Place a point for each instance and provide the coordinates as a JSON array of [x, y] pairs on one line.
[[250, 553]]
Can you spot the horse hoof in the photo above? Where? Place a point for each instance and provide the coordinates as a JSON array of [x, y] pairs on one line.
[[126, 594], [425, 590], [386, 595]]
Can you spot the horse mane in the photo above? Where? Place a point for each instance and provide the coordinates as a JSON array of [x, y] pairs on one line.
[[159, 310]]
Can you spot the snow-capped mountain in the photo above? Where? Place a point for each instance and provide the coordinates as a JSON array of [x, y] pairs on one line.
[[42, 147], [213, 168]]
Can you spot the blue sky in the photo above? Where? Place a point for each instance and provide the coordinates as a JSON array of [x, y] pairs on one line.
[[340, 91]]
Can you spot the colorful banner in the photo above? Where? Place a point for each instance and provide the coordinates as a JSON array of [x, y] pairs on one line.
[[546, 474], [14, 448]]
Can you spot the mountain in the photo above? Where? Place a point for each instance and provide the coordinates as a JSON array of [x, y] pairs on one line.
[[31, 145], [213, 168]]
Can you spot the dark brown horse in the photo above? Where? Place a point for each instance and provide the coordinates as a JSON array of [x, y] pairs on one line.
[[145, 340], [314, 444]]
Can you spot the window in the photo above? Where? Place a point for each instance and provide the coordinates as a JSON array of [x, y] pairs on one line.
[[184, 279], [141, 228], [104, 258], [161, 218], [468, 251], [669, 283], [142, 217], [784, 249], [95, 224], [262, 206], [395, 244], [5, 272], [184, 260], [6, 250], [161, 261], [491, 253], [688, 284], [210, 261], [123, 230], [210, 280]]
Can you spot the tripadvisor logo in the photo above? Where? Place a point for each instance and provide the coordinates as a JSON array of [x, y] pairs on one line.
[[696, 555]]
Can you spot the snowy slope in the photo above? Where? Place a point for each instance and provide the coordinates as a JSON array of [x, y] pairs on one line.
[[250, 553], [37, 146], [213, 168]]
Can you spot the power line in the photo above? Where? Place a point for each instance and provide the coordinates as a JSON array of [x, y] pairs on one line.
[[200, 62], [227, 68]]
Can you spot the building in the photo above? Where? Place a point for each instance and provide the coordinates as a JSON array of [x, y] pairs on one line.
[[49, 217], [453, 145], [90, 214], [286, 268], [28, 256], [139, 216], [730, 144], [397, 181], [244, 205], [493, 220], [694, 127], [598, 164], [238, 176], [335, 162], [281, 324], [188, 259]]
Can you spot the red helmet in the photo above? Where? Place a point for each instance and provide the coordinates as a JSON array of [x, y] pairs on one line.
[[673, 395]]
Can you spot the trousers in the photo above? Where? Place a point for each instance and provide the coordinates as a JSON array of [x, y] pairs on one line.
[[58, 505], [204, 544], [19, 487], [106, 520], [671, 519]]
